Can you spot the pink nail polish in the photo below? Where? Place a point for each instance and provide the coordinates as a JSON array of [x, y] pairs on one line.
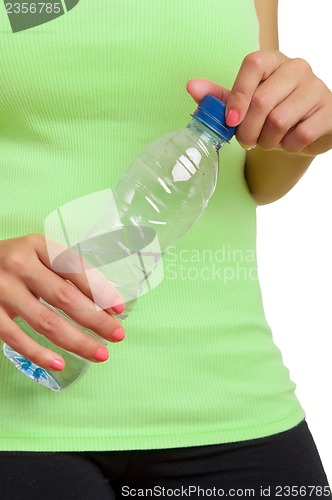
[[118, 335], [102, 354], [119, 308], [232, 118], [57, 365]]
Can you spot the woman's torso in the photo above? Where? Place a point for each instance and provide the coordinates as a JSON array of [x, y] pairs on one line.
[[79, 97]]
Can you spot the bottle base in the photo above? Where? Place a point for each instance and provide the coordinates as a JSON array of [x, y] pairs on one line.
[[31, 370]]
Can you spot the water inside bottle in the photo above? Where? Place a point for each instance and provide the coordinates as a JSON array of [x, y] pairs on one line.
[[126, 257]]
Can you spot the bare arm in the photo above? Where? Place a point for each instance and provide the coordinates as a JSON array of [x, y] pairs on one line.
[[272, 174], [282, 111]]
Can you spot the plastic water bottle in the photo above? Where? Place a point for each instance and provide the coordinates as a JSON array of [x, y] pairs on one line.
[[163, 192]]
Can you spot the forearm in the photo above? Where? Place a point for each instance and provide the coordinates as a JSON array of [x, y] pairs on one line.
[[272, 174]]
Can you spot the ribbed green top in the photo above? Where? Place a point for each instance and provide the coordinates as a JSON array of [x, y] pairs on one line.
[[80, 96]]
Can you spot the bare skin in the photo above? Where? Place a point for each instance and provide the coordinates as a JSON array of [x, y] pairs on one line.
[[284, 118], [282, 109], [25, 275]]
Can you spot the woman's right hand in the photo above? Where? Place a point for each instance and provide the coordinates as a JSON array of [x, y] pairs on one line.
[[25, 276]]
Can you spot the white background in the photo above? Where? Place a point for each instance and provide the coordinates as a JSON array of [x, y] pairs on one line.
[[295, 243]]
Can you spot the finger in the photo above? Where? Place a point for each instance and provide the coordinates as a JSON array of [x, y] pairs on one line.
[[59, 331], [266, 98], [200, 87], [68, 298], [295, 108], [13, 336], [308, 136], [256, 68], [71, 266]]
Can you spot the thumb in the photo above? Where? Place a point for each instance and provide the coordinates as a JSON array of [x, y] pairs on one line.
[[199, 88]]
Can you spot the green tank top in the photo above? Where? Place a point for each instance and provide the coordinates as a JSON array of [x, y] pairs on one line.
[[80, 96]]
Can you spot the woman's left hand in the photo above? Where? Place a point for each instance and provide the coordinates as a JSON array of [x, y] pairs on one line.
[[277, 103]]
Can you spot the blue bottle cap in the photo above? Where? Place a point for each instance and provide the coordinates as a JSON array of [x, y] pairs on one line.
[[211, 112]]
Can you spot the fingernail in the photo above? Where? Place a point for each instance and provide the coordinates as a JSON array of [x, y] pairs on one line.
[[118, 335], [102, 354], [119, 308], [248, 147], [232, 118], [57, 365]]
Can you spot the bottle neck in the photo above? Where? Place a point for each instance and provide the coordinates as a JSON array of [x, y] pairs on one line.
[[207, 134]]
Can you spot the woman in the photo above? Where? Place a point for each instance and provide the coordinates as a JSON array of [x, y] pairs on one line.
[[197, 396]]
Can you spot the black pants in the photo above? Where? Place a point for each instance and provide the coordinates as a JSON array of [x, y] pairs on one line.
[[284, 465]]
